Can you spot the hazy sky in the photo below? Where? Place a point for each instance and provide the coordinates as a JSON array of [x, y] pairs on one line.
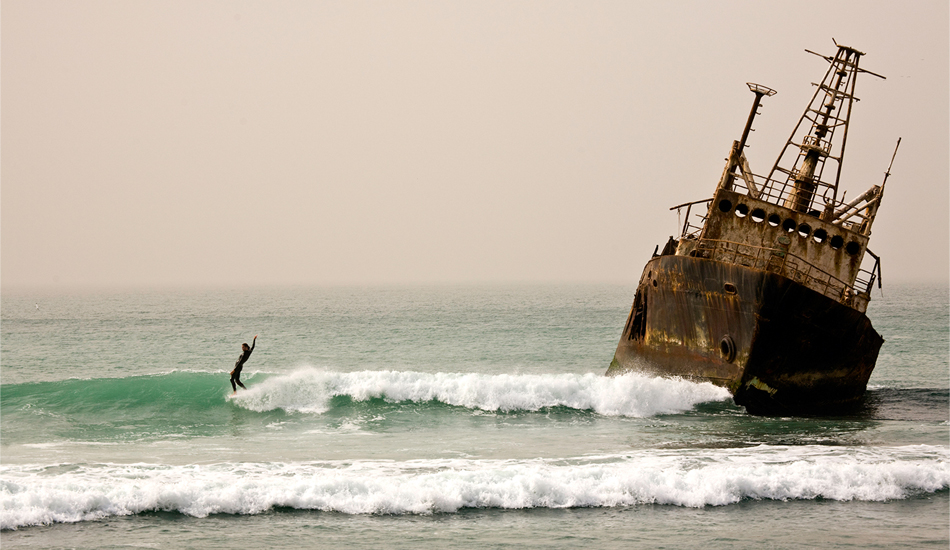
[[248, 143]]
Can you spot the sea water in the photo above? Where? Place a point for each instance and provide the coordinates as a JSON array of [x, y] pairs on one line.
[[452, 416]]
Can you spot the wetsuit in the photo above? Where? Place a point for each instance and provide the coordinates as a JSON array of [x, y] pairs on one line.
[[236, 373]]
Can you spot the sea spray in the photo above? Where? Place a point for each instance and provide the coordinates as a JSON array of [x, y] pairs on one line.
[[632, 395]]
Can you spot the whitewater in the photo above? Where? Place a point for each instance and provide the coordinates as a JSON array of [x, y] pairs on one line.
[[472, 417], [31, 496], [635, 395], [40, 494]]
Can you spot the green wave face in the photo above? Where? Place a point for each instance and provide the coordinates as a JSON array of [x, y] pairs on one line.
[[190, 404], [116, 409], [195, 404]]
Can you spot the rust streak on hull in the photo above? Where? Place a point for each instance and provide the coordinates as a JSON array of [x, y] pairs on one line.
[[778, 346]]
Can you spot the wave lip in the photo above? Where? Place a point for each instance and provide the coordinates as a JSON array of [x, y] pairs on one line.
[[34, 495], [634, 395]]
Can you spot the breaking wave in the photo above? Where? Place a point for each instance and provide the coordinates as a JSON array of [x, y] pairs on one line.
[[312, 390], [34, 495], [633, 395]]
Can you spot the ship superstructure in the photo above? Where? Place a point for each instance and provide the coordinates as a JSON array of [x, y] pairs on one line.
[[764, 292]]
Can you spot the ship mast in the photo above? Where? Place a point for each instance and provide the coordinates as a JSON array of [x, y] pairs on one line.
[[804, 157], [737, 155]]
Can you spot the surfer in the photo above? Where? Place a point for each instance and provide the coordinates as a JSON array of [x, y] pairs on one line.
[[236, 373]]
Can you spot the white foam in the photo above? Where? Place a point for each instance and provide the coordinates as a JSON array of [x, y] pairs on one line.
[[635, 395], [55, 444], [33, 495]]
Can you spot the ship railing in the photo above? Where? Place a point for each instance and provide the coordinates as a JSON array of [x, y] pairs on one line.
[[773, 192], [781, 262], [692, 227], [867, 278], [777, 192], [768, 190]]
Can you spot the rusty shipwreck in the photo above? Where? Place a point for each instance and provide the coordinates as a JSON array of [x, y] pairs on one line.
[[764, 291]]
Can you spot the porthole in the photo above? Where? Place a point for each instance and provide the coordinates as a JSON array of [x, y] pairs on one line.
[[820, 236], [836, 242], [654, 283], [789, 225], [742, 210], [853, 248], [727, 348], [758, 215], [725, 205], [729, 288], [774, 220], [804, 230]]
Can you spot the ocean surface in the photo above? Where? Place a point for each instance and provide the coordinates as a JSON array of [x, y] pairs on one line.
[[440, 417]]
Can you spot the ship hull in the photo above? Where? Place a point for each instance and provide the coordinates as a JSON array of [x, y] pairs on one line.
[[778, 346]]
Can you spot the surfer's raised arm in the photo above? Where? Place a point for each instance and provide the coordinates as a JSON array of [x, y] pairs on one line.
[[247, 351]]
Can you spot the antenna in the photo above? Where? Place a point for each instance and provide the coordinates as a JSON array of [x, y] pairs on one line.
[[888, 173]]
